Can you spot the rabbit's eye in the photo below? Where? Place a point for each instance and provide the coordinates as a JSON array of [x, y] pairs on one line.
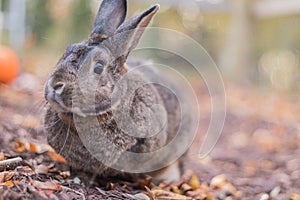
[[98, 68]]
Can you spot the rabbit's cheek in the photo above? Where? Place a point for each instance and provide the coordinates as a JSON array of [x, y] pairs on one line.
[[103, 95], [102, 99]]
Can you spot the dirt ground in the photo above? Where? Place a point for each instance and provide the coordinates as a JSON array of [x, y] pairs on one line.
[[257, 156]]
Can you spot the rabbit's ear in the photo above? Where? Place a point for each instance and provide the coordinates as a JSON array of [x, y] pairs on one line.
[[110, 16], [129, 33]]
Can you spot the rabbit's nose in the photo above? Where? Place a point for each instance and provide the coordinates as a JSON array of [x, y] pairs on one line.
[[59, 87]]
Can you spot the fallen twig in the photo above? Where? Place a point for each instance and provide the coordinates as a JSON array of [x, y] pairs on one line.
[[10, 162]]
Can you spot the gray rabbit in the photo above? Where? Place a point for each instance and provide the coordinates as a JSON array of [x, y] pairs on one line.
[[98, 102]]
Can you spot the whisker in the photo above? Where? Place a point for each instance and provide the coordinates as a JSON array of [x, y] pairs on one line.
[[52, 124], [41, 105], [65, 139]]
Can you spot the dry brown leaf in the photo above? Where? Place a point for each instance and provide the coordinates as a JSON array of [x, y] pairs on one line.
[[218, 181], [25, 170], [56, 157], [41, 169], [11, 183], [48, 187], [22, 146], [185, 187], [7, 176], [176, 183], [175, 189], [165, 195], [65, 174], [19, 147], [38, 148], [32, 147], [194, 182]]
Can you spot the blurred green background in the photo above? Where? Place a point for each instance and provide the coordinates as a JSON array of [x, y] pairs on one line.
[[255, 42]]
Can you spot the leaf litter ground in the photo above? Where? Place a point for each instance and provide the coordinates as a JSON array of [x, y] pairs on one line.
[[257, 156]]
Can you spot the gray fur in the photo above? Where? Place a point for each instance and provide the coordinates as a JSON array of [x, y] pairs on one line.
[[62, 132]]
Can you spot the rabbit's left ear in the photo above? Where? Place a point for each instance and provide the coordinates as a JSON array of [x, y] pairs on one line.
[[110, 16], [130, 32]]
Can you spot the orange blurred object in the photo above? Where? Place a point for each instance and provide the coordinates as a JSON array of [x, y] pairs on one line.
[[9, 65]]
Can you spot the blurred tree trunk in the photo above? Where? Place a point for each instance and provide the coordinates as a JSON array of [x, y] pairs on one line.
[[16, 23], [236, 60], [40, 20], [81, 19]]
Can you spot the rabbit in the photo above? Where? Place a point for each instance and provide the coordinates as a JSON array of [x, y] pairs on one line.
[[79, 94]]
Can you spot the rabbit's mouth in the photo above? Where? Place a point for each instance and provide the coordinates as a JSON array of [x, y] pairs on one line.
[[57, 104], [82, 110], [88, 111], [61, 101]]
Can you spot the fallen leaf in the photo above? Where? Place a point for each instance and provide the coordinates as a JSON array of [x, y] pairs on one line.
[[19, 147], [218, 181], [194, 182], [11, 183], [185, 187], [48, 187], [22, 146], [165, 195], [65, 174], [41, 169], [25, 170], [56, 157], [175, 189], [38, 148], [6, 176]]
